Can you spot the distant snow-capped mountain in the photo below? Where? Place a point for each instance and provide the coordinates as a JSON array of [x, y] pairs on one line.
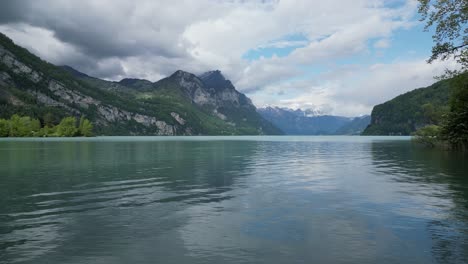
[[309, 112], [312, 121]]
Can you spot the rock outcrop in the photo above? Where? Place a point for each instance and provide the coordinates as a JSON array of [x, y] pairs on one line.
[[181, 104]]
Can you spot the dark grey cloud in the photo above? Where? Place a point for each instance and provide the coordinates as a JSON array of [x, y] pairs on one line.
[[111, 68], [101, 33], [152, 38], [12, 11]]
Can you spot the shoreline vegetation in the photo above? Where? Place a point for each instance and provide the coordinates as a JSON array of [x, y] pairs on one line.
[[25, 126], [449, 19], [449, 130]]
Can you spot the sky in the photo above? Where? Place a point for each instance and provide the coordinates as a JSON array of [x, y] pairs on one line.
[[338, 56]]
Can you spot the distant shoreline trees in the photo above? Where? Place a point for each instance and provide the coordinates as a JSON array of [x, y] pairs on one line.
[[25, 126]]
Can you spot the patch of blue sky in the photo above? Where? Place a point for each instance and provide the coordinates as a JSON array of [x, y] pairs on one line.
[[280, 47], [394, 3], [256, 54], [310, 70], [404, 44]]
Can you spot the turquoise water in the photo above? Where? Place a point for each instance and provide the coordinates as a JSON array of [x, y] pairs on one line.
[[231, 200]]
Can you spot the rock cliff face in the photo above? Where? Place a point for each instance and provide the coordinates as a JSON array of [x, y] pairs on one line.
[[216, 97], [224, 92], [182, 104], [209, 89], [17, 67], [58, 94], [193, 88]]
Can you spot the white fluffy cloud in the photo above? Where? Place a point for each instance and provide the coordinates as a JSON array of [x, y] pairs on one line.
[[352, 90], [150, 39]]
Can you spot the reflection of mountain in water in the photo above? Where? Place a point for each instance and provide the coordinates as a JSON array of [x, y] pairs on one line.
[[85, 192], [252, 200], [439, 179]]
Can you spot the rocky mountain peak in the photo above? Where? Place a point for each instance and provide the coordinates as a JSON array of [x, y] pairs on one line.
[[180, 74], [215, 81], [213, 76], [180, 104]]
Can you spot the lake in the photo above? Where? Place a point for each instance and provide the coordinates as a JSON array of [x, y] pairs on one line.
[[231, 200]]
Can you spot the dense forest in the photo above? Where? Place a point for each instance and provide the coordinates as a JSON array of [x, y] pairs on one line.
[[411, 111]]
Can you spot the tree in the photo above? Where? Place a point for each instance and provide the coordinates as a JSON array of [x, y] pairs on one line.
[[23, 126], [15, 127], [456, 127], [450, 18], [34, 124], [85, 128], [49, 120], [4, 128], [428, 135], [48, 131], [67, 127]]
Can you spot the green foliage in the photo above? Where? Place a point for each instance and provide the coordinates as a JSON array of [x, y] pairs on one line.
[[133, 96], [450, 18], [85, 128], [67, 127], [25, 126], [48, 132], [16, 129], [406, 113], [455, 129], [4, 128], [429, 135]]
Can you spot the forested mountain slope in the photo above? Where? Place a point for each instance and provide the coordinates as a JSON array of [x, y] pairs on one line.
[[410, 111], [182, 104]]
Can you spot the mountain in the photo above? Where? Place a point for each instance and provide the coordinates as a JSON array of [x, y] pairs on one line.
[[181, 104], [355, 127], [408, 112], [310, 122], [133, 83]]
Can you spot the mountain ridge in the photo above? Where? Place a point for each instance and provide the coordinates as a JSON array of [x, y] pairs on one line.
[[177, 105], [410, 111], [312, 122]]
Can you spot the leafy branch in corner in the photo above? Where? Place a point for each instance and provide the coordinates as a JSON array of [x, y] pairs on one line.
[[450, 18]]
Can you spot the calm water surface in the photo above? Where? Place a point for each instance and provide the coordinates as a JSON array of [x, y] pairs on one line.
[[231, 200]]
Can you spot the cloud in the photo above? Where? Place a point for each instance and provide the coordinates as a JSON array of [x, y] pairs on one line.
[[353, 90], [382, 43], [51, 49], [284, 44], [150, 39]]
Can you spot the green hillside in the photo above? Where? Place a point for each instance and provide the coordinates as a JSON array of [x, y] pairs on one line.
[[32, 87], [410, 111]]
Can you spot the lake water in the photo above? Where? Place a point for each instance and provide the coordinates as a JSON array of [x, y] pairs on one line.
[[231, 200]]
